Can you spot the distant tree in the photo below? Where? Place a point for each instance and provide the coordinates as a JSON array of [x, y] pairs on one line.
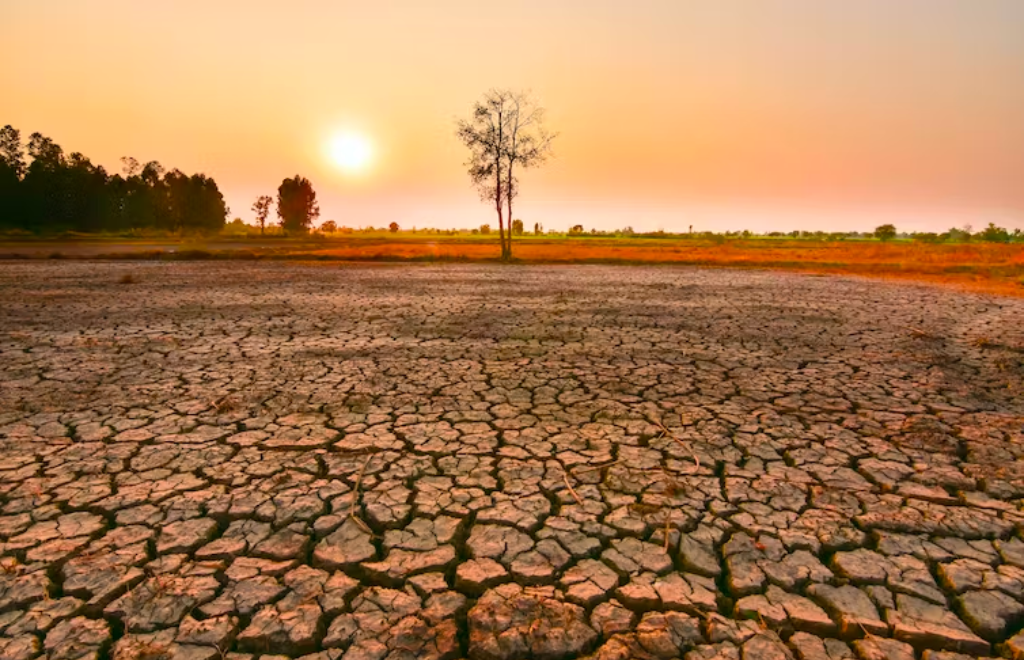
[[236, 227], [517, 227], [506, 130], [84, 188], [956, 235], [296, 204], [130, 167], [196, 203], [529, 145], [261, 207], [329, 227], [994, 234], [393, 227], [12, 154], [12, 168], [576, 230], [537, 229], [885, 232], [485, 229], [47, 203]]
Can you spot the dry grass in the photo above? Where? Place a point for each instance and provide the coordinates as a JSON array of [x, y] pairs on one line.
[[983, 267], [988, 268]]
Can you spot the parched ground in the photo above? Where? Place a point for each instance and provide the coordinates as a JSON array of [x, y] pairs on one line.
[[243, 460]]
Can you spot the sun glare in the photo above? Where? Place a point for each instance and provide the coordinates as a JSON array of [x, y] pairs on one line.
[[351, 152]]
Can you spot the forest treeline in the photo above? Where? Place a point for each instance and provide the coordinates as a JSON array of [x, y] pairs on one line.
[[44, 190]]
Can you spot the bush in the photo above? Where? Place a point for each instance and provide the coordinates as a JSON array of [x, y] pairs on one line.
[[993, 234], [885, 232]]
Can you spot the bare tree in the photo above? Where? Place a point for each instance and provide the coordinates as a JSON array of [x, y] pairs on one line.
[[505, 131], [484, 136], [528, 145], [261, 207]]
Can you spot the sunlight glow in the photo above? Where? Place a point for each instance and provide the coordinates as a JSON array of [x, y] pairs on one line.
[[351, 152]]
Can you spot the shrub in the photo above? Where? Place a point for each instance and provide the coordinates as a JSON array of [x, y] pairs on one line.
[[993, 234], [885, 232]]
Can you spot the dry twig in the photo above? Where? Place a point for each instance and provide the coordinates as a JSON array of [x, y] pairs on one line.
[[355, 496], [572, 491], [666, 433]]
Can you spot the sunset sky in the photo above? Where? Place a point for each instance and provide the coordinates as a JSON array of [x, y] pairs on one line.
[[724, 114]]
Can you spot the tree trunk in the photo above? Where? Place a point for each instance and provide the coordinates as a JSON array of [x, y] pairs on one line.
[[499, 203], [501, 228], [508, 195]]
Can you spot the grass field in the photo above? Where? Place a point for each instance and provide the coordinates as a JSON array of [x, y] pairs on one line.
[[992, 268]]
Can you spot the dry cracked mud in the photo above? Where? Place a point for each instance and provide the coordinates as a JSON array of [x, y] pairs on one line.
[[267, 460]]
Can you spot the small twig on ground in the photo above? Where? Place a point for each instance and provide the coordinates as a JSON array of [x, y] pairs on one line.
[[355, 496], [668, 520], [222, 404], [572, 491], [917, 332], [666, 433]]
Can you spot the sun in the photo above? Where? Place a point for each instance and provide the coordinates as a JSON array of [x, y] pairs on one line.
[[351, 152]]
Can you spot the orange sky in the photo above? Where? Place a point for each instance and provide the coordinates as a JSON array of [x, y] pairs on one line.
[[760, 114]]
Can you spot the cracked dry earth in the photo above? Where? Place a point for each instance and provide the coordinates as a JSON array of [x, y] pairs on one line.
[[267, 460]]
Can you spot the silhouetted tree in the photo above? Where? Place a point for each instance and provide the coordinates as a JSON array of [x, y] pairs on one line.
[[296, 204], [130, 167], [261, 207], [393, 227], [576, 230], [485, 135], [517, 227], [329, 227], [195, 202], [505, 130], [484, 229], [12, 168], [537, 229], [45, 187], [885, 232], [528, 144]]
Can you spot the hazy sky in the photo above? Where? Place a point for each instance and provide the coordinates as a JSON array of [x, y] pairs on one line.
[[761, 114]]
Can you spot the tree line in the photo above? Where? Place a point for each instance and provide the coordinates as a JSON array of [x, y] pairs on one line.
[[44, 190]]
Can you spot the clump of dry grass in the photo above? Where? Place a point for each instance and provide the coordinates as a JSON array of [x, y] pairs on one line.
[[127, 278]]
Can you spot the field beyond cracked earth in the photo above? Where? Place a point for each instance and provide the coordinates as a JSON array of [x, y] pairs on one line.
[[218, 461]]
